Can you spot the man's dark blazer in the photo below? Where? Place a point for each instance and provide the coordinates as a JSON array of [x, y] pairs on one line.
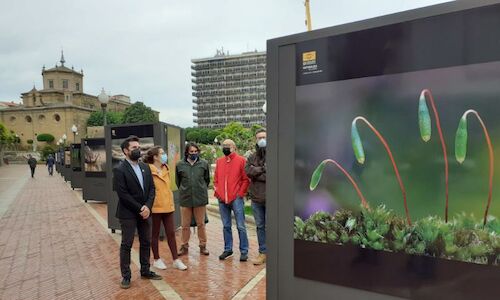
[[131, 197]]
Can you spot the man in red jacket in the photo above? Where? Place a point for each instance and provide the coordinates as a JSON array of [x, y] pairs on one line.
[[231, 184]]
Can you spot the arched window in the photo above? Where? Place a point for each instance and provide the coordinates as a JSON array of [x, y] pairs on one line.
[[57, 117], [28, 119]]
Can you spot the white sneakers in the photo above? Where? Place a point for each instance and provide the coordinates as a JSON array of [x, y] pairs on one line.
[[159, 264], [178, 264]]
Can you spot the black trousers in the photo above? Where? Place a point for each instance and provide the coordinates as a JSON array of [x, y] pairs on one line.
[[51, 169], [128, 231], [32, 172]]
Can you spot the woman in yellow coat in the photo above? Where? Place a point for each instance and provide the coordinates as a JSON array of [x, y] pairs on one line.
[[163, 207]]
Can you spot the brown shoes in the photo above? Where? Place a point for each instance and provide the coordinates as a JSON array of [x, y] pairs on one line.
[[203, 250], [261, 259], [183, 251]]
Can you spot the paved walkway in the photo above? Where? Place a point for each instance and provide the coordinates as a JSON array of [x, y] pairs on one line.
[[55, 246]]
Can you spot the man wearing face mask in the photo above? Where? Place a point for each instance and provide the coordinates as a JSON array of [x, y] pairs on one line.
[[256, 170], [231, 184], [133, 183], [192, 178]]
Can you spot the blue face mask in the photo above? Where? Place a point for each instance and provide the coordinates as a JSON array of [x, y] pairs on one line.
[[164, 158], [262, 143]]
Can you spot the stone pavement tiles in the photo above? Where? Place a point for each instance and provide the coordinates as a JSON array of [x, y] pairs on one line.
[[52, 247]]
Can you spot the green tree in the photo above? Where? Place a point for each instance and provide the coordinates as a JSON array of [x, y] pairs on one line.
[[6, 139], [137, 113], [112, 117], [201, 135], [242, 137]]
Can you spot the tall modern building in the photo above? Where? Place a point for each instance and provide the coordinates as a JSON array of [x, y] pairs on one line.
[[229, 88]]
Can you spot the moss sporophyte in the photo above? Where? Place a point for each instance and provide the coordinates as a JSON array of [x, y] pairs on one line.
[[424, 123], [461, 150], [316, 177], [359, 152]]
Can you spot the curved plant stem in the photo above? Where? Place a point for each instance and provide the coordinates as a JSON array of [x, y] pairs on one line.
[[428, 96], [391, 157], [319, 170], [491, 158]]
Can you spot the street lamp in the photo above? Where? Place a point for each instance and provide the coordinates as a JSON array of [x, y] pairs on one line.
[[264, 107], [216, 141], [74, 129], [104, 99]]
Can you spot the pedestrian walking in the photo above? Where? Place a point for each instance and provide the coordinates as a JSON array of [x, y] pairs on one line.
[[133, 183], [231, 184], [32, 163], [255, 169], [163, 207], [192, 178], [50, 164]]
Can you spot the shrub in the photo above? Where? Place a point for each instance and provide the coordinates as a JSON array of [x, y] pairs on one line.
[[47, 149], [30, 141], [45, 137]]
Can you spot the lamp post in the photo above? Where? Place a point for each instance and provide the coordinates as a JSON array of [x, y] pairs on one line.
[[64, 137], [104, 99], [74, 129]]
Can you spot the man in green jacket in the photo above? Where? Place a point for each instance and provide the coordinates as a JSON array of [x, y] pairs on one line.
[[192, 179]]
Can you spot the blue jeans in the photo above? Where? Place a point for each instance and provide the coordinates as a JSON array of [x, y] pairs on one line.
[[237, 206], [259, 213]]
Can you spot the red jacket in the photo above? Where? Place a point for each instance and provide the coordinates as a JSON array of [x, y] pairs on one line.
[[230, 179]]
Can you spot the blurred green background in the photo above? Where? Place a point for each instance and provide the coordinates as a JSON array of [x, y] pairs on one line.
[[324, 113]]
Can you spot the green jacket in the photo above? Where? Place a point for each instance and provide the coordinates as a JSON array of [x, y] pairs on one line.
[[192, 181]]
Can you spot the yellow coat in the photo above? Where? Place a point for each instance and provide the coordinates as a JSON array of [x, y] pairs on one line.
[[164, 198]]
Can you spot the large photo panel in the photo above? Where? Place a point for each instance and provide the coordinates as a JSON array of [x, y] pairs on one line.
[[396, 154]]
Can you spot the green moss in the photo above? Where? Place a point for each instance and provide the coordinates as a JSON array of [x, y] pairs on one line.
[[462, 238]]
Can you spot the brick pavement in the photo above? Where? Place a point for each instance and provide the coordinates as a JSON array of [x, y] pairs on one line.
[[52, 247]]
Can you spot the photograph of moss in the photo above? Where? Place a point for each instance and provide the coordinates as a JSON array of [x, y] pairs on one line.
[[402, 163]]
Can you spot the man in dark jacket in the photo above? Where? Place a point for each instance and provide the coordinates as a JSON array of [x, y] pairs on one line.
[[192, 176], [50, 164], [32, 164], [256, 171], [133, 183]]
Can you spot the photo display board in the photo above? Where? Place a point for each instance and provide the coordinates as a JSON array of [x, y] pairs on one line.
[[397, 151], [76, 159], [94, 153], [119, 134], [67, 157], [173, 152]]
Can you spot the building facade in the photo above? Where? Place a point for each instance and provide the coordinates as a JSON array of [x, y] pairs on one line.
[[229, 88], [55, 108]]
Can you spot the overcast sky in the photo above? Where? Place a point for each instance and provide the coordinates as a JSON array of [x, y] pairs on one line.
[[143, 48]]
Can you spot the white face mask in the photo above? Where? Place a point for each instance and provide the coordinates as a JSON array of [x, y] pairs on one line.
[[262, 143]]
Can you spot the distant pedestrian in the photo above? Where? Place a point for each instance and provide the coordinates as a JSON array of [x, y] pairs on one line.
[[50, 164], [133, 183], [163, 207], [192, 175], [256, 171], [32, 164], [231, 184]]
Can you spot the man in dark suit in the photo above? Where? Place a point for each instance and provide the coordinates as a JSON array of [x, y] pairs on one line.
[[133, 182]]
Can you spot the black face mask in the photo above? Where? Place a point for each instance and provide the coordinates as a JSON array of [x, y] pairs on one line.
[[226, 151], [135, 154]]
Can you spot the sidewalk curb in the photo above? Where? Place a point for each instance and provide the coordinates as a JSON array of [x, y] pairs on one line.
[[215, 210]]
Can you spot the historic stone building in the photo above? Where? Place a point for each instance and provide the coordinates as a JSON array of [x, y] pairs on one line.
[[54, 109]]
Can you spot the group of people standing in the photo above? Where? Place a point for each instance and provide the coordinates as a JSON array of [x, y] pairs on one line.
[[146, 201]]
